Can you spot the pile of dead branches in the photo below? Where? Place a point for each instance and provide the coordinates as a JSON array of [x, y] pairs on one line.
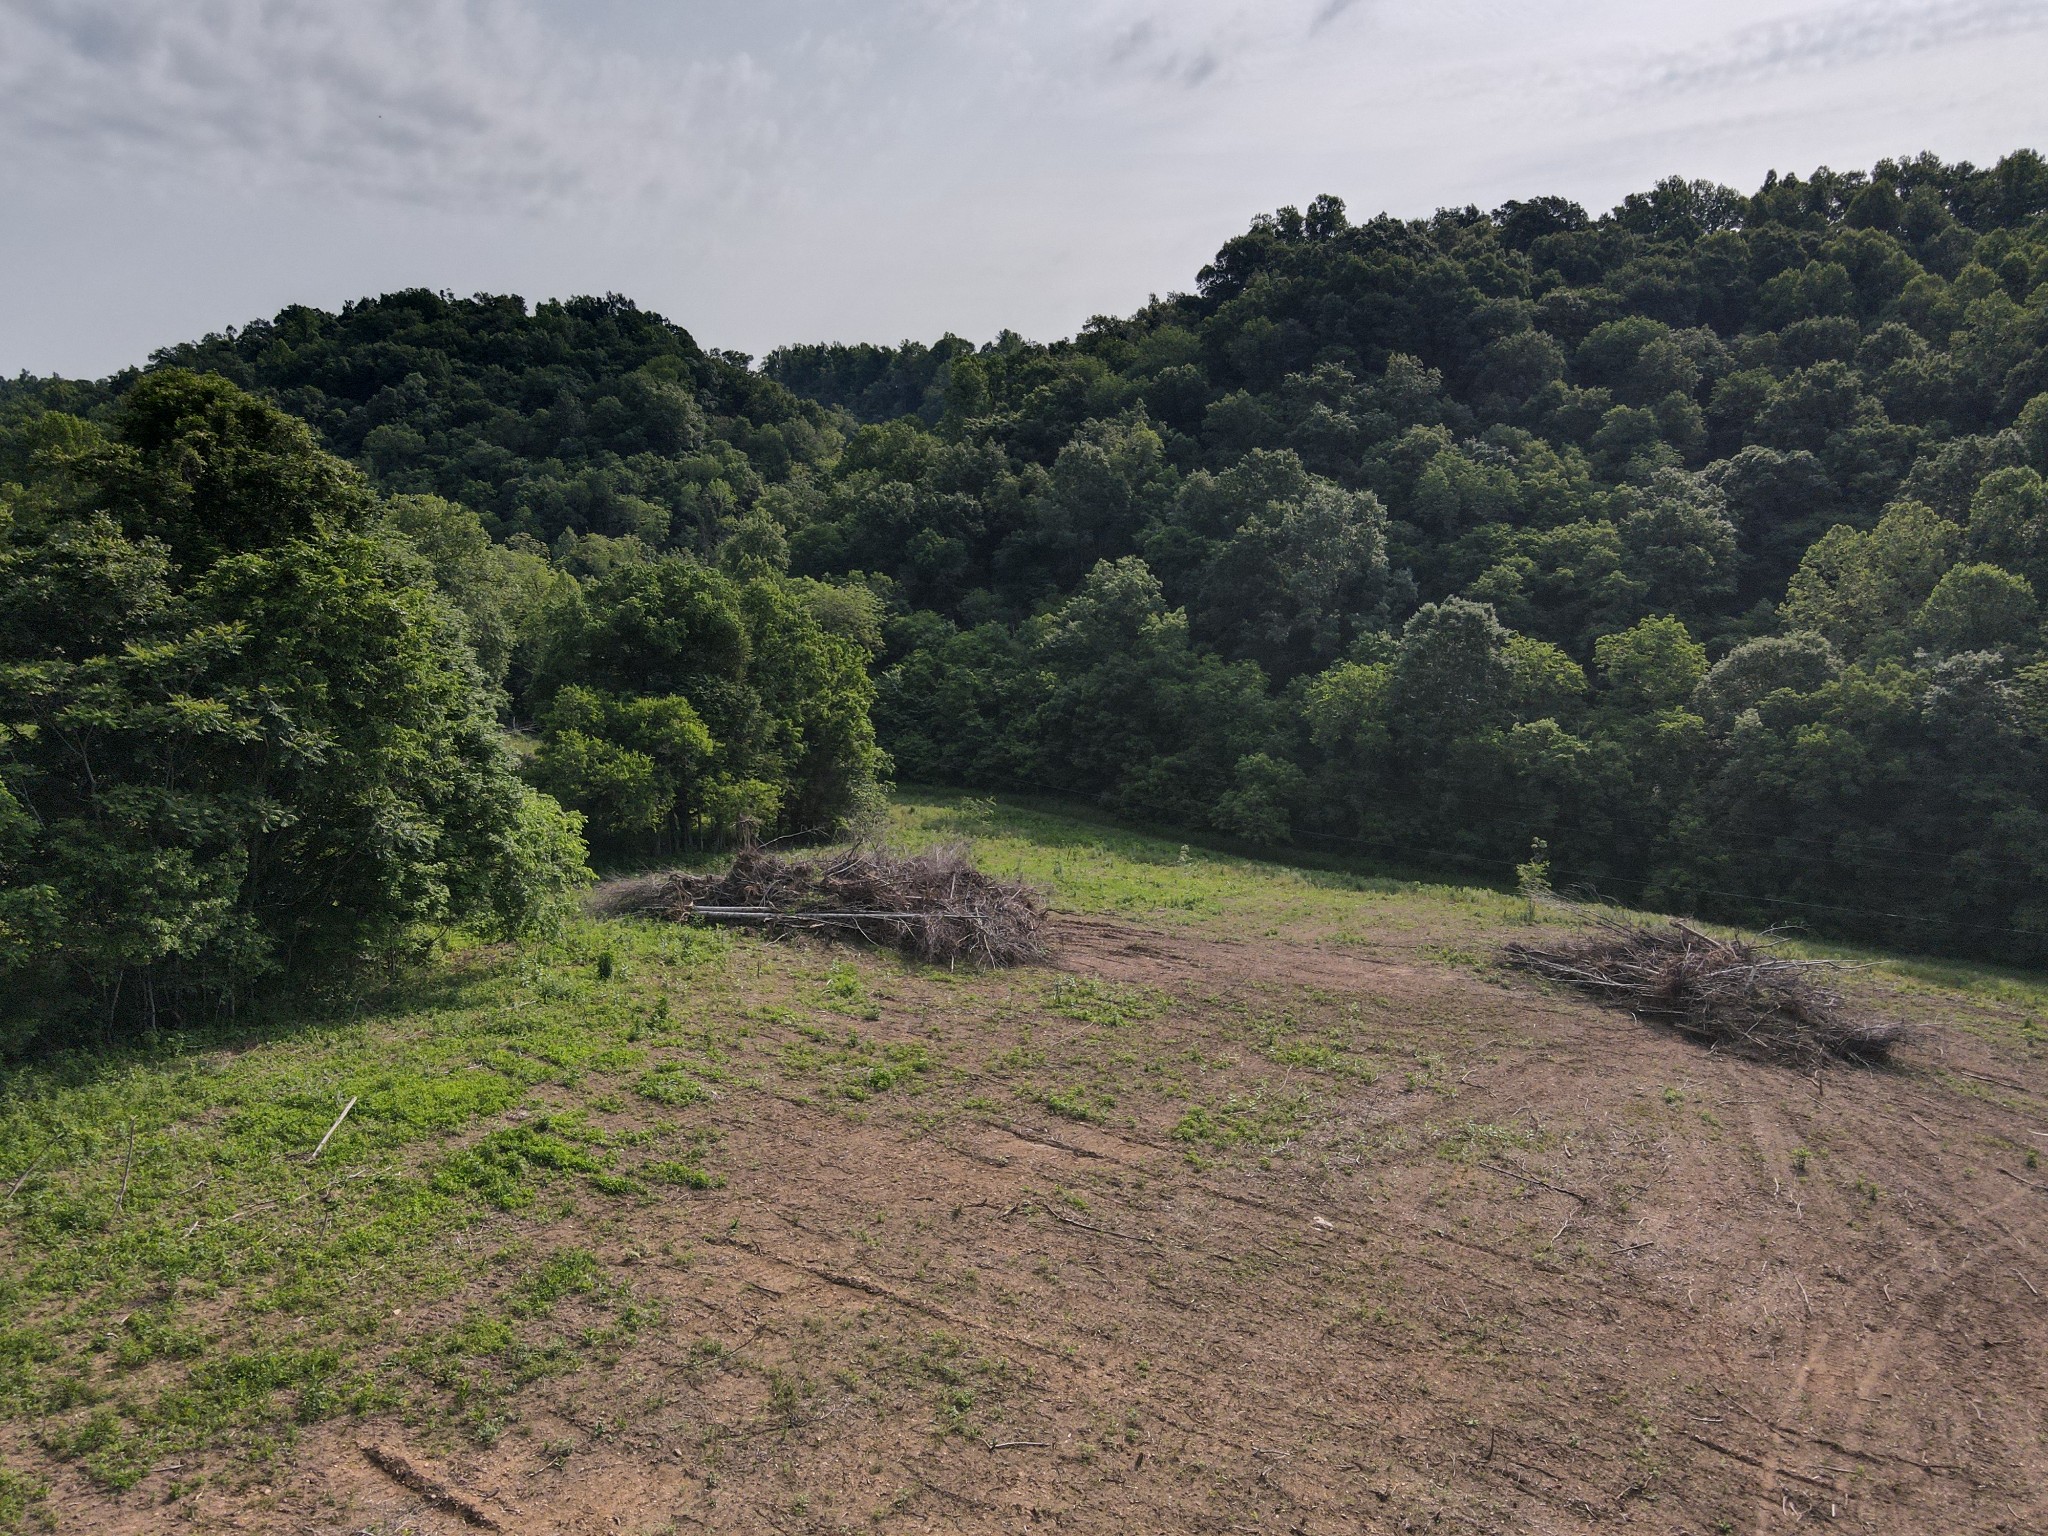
[[1730, 994], [934, 906]]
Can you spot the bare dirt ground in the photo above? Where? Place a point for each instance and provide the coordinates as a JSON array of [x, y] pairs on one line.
[[1435, 1249]]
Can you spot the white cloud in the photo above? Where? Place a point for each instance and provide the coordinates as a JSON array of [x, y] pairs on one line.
[[422, 100]]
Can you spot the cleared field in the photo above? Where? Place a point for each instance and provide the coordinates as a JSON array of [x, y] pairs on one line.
[[1271, 1204]]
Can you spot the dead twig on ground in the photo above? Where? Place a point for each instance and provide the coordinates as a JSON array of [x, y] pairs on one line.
[[1756, 1461], [1075, 1221], [1529, 1178], [1044, 1140], [27, 1173]]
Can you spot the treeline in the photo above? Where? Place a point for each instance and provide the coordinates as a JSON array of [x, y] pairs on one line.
[[1694, 549]]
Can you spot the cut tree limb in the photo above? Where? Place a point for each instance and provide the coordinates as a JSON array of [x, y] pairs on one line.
[[400, 1470], [1529, 1178], [314, 1155]]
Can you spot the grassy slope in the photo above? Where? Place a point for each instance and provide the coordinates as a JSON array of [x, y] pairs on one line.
[[183, 1295]]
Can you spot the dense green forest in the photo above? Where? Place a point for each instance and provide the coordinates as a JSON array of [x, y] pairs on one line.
[[1694, 551]]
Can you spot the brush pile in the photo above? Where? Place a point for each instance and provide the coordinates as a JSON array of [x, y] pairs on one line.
[[934, 906], [1731, 995]]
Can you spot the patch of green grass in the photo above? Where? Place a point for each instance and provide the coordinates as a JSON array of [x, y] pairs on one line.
[[1075, 1101], [24, 1503], [845, 992], [683, 1175], [505, 1167], [1328, 1052], [855, 1066], [1091, 864], [571, 1272], [1473, 1140], [1103, 1003], [1263, 1119], [214, 1287], [264, 1393], [673, 1085]]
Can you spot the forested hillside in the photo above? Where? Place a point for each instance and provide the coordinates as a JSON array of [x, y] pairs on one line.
[[1694, 551]]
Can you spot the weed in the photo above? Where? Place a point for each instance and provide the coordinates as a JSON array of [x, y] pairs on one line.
[[786, 1394], [571, 1272], [24, 1503], [1075, 1102], [1532, 878], [846, 993], [684, 1175], [673, 1085], [1330, 1057], [1103, 1003], [1473, 1140], [857, 1068], [1262, 1118], [505, 1166]]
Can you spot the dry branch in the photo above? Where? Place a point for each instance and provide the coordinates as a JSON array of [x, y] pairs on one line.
[[400, 1470], [314, 1155], [1731, 994], [934, 906], [28, 1172]]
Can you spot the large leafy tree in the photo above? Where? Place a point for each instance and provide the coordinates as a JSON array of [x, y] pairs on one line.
[[242, 734], [678, 702]]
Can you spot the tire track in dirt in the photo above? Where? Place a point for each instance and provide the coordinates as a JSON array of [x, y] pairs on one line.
[[1841, 1377]]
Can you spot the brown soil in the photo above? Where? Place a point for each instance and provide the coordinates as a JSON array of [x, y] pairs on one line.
[[1540, 1269]]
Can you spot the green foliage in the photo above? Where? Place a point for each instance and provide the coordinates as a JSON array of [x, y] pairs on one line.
[[24, 1502], [1861, 590], [241, 735], [1977, 608], [581, 417], [1655, 665], [680, 704]]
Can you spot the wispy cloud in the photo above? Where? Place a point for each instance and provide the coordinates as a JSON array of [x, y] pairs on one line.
[[447, 101], [1163, 52], [1836, 36]]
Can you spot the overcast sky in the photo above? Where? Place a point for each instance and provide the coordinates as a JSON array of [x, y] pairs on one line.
[[764, 171]]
